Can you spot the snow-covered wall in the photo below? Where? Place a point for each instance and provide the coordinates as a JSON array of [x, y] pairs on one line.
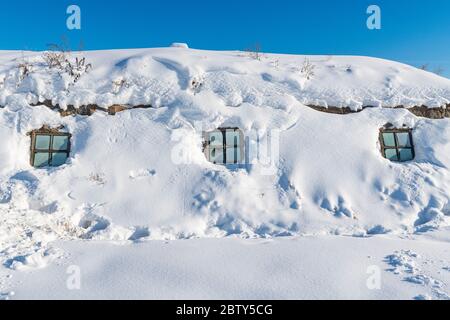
[[142, 173]]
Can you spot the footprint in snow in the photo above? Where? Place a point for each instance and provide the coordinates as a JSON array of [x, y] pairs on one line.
[[142, 173], [407, 262], [6, 296]]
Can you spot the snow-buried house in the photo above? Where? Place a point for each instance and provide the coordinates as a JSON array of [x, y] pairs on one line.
[[176, 143]]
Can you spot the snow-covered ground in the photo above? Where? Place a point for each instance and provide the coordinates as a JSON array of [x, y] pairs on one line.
[[139, 178], [327, 267]]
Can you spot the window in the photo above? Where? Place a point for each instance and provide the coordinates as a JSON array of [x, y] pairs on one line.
[[397, 144], [224, 146], [49, 147]]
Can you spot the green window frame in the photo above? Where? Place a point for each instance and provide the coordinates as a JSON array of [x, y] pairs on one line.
[[397, 144], [224, 146], [49, 149]]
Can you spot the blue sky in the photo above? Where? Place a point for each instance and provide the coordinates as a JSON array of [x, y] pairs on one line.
[[415, 31]]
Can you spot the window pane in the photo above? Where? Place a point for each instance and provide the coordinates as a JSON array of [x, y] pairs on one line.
[[216, 155], [403, 140], [233, 155], [59, 158], [41, 159], [406, 154], [391, 154], [232, 138], [216, 139], [42, 142], [60, 142], [388, 139]]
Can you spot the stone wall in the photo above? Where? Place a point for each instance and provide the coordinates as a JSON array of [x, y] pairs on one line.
[[420, 111]]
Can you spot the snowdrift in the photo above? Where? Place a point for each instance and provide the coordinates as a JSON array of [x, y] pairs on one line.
[[141, 174], [162, 77]]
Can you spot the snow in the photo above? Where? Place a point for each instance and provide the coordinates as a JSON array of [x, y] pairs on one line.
[[139, 178], [180, 45], [161, 77], [331, 267]]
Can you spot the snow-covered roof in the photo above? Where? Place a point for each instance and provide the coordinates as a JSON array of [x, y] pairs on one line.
[[166, 76]]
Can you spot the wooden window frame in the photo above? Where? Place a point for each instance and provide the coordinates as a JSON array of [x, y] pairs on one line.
[[397, 147], [50, 151], [225, 145]]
